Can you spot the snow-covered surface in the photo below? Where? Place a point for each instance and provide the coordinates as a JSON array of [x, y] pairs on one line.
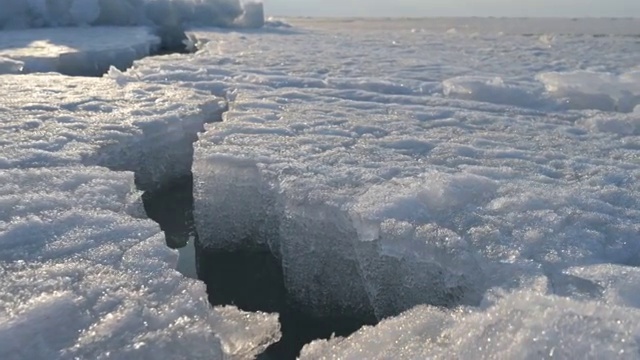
[[74, 51], [388, 167], [84, 273], [83, 276], [388, 164], [51, 120], [21, 14]]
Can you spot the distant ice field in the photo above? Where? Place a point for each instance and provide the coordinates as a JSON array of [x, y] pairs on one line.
[[473, 183]]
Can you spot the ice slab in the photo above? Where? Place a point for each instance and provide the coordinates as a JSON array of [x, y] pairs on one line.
[[377, 193], [75, 51], [388, 211], [52, 120], [85, 277]]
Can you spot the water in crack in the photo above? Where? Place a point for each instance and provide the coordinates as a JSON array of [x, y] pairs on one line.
[[250, 280], [171, 206]]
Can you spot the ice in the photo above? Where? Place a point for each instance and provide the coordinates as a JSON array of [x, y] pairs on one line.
[[491, 90], [84, 278], [53, 120], [253, 16], [89, 52], [378, 193], [40, 13], [595, 90], [440, 183], [522, 325], [10, 66]]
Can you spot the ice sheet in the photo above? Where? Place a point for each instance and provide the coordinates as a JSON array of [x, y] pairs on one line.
[[84, 278], [378, 191], [355, 157], [53, 120], [380, 185], [73, 51]]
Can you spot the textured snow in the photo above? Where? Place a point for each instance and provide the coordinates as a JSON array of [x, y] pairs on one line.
[[53, 120], [474, 183], [71, 51], [83, 276], [22, 14]]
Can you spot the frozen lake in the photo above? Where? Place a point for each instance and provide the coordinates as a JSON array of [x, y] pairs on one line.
[[468, 188]]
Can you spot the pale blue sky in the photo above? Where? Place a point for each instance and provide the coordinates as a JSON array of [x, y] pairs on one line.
[[533, 8]]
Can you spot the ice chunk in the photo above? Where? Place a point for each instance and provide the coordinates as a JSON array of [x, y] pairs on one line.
[[89, 52], [594, 90], [245, 335], [493, 90], [621, 124]]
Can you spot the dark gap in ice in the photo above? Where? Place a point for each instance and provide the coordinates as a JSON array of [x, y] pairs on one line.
[[253, 280], [171, 206]]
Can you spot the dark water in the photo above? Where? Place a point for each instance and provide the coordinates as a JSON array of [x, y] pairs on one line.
[[250, 280]]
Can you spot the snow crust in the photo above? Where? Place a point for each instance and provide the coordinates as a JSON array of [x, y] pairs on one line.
[[52, 13], [70, 51]]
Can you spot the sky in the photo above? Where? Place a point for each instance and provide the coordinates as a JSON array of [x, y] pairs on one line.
[[426, 8]]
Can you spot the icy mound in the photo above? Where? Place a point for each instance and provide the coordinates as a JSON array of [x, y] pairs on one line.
[[89, 52], [593, 90], [522, 325], [492, 90], [54, 120], [83, 279], [27, 14]]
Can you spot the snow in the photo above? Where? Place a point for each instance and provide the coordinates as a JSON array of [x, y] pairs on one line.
[[70, 51], [475, 190]]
